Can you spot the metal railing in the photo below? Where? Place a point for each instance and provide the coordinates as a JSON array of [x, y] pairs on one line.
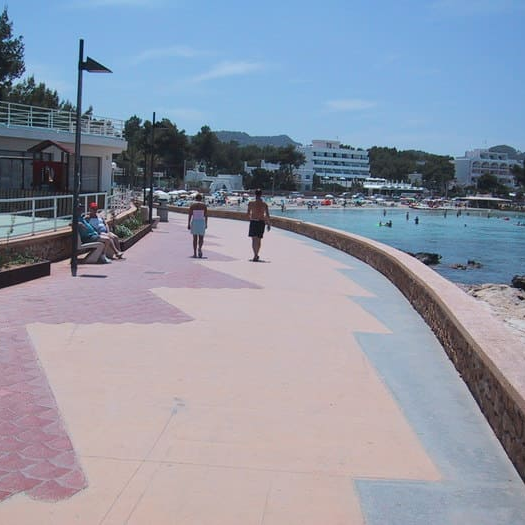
[[29, 216], [21, 115]]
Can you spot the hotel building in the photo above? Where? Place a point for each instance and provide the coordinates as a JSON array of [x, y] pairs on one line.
[[484, 162], [333, 163]]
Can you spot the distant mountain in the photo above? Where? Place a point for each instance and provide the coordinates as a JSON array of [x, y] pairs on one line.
[[243, 139]]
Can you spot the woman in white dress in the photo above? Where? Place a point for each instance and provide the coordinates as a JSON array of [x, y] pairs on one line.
[[197, 224]]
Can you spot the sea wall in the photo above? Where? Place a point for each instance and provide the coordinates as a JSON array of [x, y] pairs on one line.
[[489, 358]]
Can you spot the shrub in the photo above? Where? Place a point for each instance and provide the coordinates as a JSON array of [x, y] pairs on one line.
[[10, 258], [123, 231], [129, 226]]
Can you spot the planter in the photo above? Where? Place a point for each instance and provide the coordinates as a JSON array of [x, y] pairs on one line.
[[26, 272], [127, 243]]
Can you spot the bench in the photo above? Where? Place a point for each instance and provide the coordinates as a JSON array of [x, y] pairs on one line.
[[94, 250]]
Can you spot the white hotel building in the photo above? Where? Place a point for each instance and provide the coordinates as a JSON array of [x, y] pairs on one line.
[[332, 163], [483, 162]]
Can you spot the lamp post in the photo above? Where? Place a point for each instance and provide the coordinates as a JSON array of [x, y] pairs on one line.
[[93, 67], [150, 199]]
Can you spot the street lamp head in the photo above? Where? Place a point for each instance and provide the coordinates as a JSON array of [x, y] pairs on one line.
[[94, 67]]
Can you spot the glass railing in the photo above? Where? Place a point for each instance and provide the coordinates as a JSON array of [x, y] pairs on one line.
[[32, 215]]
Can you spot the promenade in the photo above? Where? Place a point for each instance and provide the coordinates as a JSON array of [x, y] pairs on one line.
[[303, 390]]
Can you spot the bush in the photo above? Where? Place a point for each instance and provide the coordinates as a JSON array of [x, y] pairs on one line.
[[123, 231], [10, 258], [126, 228]]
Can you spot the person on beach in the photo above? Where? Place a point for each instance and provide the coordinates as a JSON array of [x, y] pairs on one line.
[[197, 224], [259, 216]]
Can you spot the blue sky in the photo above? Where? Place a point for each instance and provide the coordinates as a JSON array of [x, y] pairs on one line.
[[443, 76]]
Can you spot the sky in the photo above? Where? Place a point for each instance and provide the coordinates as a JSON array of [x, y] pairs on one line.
[[442, 76]]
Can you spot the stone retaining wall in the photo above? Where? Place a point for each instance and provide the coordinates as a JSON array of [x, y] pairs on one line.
[[489, 358]]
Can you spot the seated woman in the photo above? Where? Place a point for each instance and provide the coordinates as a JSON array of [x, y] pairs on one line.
[[100, 225]]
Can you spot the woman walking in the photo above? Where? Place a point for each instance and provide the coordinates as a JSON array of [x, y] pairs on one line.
[[197, 223]]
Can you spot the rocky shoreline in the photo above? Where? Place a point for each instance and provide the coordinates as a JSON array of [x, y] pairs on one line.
[[507, 303]]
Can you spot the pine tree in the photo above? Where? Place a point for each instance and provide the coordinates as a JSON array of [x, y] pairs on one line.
[[11, 55]]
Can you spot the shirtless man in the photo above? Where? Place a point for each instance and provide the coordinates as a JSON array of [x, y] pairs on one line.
[[259, 216]]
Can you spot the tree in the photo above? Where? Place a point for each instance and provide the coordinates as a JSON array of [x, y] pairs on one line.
[[134, 154], [11, 55], [488, 183], [204, 147], [289, 157], [437, 172], [171, 147], [519, 174], [28, 92], [227, 157], [260, 178], [391, 164]]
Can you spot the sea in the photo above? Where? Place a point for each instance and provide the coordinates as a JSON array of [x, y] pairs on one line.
[[494, 239]]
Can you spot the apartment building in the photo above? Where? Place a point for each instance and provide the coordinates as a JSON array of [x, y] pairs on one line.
[[480, 162], [333, 163]]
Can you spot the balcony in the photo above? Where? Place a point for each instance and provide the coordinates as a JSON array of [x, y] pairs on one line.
[[21, 116]]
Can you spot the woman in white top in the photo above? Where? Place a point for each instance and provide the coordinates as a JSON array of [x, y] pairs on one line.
[[197, 223]]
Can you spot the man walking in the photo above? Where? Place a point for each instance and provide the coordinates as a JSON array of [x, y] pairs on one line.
[[259, 216]]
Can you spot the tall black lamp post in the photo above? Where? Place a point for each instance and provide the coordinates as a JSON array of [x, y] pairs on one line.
[[93, 67], [152, 166]]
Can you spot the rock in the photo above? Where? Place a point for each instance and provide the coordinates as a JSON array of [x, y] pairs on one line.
[[474, 264], [518, 281], [458, 266], [427, 258], [505, 302]]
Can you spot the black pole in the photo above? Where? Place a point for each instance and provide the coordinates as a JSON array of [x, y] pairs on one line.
[[144, 185], [151, 170], [76, 175]]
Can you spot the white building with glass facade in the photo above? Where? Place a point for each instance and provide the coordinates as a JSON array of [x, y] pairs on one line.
[[478, 162], [333, 163]]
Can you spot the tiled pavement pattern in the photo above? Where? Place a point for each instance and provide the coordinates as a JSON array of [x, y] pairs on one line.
[[167, 390], [36, 453]]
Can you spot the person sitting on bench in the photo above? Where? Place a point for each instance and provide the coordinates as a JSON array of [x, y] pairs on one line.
[[89, 234], [98, 222]]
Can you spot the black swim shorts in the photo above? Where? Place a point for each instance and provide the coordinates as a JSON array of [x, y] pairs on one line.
[[256, 229]]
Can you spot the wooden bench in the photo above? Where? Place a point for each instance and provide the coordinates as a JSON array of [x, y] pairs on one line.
[[94, 251]]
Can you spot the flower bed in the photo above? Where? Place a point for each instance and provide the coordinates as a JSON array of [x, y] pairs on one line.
[[16, 274]]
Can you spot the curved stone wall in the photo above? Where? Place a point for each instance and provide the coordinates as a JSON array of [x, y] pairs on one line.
[[489, 358]]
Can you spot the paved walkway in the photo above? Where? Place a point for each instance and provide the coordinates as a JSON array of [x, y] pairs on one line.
[[170, 390]]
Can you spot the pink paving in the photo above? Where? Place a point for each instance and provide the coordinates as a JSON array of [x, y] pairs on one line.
[[165, 389], [36, 453]]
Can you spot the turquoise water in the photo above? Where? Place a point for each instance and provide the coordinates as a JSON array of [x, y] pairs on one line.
[[497, 242]]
